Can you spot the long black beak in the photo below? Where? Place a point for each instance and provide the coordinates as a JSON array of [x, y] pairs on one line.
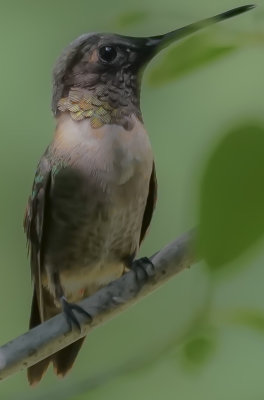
[[157, 43]]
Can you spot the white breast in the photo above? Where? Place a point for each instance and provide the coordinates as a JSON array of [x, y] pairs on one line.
[[111, 150]]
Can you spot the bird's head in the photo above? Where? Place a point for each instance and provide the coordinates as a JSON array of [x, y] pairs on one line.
[[109, 66]]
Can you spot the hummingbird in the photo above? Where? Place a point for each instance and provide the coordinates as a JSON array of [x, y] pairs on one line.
[[95, 186]]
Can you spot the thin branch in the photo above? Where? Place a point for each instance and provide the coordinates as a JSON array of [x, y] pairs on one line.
[[54, 334]]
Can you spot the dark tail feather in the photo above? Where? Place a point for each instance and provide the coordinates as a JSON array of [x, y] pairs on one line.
[[63, 360], [35, 372]]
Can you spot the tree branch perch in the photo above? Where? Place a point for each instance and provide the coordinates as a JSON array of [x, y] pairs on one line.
[[54, 334]]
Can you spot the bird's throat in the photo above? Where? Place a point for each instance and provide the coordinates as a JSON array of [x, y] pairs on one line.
[[82, 103]]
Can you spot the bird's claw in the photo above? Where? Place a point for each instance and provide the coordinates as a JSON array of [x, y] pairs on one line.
[[143, 268], [72, 320]]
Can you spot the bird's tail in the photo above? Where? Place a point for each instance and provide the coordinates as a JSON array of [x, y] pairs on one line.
[[62, 360]]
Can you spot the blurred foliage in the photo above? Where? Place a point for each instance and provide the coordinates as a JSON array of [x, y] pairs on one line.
[[188, 55], [130, 18], [131, 356], [198, 350], [232, 196], [253, 319]]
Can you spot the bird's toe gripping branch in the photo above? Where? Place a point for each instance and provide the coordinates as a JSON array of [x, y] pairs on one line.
[[143, 268], [69, 314]]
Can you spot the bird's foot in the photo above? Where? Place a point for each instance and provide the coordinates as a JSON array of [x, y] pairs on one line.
[[68, 308], [143, 268]]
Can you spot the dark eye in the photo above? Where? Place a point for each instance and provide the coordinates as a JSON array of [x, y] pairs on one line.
[[107, 54]]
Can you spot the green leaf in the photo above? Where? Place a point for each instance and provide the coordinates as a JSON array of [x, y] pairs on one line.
[[253, 319], [188, 55], [197, 350], [232, 196]]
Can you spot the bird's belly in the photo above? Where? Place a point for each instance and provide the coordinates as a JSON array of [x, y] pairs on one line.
[[87, 281], [97, 251]]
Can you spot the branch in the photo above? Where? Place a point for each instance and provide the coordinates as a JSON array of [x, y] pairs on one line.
[[54, 334]]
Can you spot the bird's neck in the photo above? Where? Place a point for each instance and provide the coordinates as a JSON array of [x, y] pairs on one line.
[[100, 106]]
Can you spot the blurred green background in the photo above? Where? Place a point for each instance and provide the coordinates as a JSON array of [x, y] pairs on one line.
[[201, 336]]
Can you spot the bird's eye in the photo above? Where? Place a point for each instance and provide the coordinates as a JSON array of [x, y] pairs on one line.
[[107, 54]]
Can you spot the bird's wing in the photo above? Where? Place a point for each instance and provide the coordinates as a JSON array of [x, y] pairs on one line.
[[34, 223], [150, 205]]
